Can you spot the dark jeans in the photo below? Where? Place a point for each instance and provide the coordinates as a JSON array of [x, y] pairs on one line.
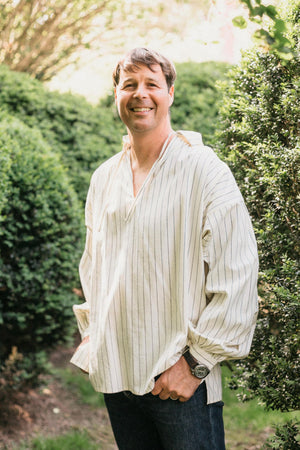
[[145, 422]]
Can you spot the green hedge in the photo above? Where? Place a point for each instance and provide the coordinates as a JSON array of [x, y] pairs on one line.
[[260, 141], [197, 98], [83, 135], [40, 245], [5, 163]]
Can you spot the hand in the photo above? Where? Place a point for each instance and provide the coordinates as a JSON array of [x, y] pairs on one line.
[[176, 382], [84, 341]]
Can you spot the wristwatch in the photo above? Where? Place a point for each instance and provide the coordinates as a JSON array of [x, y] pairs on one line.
[[198, 370]]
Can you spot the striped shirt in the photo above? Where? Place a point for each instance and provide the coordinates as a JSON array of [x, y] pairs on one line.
[[174, 266]]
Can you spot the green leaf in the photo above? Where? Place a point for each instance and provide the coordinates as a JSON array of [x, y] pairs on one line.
[[258, 11], [271, 12], [280, 25], [261, 34], [240, 22]]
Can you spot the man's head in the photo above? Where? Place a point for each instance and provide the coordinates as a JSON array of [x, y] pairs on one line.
[[144, 91], [145, 57]]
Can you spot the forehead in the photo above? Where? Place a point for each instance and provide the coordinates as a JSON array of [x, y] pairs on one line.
[[135, 71]]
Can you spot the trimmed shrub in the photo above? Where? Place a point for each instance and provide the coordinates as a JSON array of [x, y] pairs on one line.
[[82, 134], [40, 245], [197, 98], [260, 142], [5, 163]]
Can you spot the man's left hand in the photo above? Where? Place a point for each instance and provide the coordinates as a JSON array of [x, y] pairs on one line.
[[177, 382]]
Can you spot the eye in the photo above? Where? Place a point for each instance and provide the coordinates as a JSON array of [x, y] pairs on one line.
[[128, 85]]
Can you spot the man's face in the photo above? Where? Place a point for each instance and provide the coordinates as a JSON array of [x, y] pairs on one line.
[[143, 99]]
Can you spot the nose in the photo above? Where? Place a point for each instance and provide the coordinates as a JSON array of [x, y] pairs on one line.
[[141, 91]]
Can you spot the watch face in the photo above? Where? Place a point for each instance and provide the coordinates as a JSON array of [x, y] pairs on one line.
[[200, 371]]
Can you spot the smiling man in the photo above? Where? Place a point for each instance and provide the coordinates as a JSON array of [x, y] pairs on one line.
[[169, 273], [143, 99]]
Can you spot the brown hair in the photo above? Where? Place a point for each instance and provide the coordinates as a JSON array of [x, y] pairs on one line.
[[143, 56]]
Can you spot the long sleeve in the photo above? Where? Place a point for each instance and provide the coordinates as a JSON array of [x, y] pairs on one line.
[[82, 311], [226, 325], [85, 268]]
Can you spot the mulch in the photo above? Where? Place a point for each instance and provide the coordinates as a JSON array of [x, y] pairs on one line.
[[51, 410]]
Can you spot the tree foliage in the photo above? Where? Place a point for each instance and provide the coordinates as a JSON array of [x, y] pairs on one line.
[[260, 141], [40, 241], [41, 37], [272, 39], [38, 36]]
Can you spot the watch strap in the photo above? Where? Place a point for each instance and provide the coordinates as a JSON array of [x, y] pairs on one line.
[[192, 362]]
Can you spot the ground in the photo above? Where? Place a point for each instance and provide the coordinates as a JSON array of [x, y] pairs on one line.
[[51, 411]]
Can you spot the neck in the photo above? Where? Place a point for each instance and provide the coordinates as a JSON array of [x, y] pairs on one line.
[[145, 148]]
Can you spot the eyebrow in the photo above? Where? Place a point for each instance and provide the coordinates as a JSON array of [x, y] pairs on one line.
[[133, 79]]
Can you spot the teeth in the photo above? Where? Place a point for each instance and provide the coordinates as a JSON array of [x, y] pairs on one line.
[[141, 109]]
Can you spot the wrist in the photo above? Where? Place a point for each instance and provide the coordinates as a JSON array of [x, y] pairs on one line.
[[198, 370]]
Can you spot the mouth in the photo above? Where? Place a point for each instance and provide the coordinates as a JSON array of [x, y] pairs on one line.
[[141, 109]]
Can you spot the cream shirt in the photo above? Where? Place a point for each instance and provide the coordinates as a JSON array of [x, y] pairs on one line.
[[174, 266]]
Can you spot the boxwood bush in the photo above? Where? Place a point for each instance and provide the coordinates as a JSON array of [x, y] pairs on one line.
[[40, 245], [5, 163], [84, 135], [197, 98], [260, 141]]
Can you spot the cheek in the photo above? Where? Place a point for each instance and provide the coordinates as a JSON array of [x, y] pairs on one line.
[[120, 109], [121, 104], [164, 101]]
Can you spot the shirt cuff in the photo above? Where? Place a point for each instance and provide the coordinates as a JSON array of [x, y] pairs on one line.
[[81, 357], [203, 357], [82, 314]]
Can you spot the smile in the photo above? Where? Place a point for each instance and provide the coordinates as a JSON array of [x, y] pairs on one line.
[[141, 109]]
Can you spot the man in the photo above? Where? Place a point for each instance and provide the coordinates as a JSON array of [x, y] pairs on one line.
[[169, 273]]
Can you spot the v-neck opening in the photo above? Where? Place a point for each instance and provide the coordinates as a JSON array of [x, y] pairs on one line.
[[150, 174]]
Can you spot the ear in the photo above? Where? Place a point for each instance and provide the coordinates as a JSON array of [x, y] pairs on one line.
[[171, 95], [115, 91]]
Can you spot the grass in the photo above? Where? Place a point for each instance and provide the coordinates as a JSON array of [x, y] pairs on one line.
[[79, 383], [74, 440]]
